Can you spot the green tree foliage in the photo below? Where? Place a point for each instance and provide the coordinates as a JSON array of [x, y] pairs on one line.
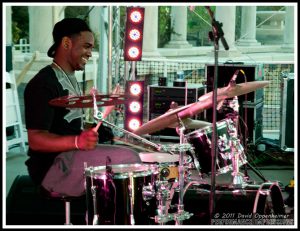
[[20, 23], [77, 12], [164, 25], [199, 24]]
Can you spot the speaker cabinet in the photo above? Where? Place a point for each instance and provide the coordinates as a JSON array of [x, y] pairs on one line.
[[226, 72], [251, 129], [287, 113], [161, 97]]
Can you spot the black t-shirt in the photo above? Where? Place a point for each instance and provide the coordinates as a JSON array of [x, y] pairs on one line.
[[39, 114]]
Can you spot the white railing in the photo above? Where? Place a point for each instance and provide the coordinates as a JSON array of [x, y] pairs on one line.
[[23, 46]]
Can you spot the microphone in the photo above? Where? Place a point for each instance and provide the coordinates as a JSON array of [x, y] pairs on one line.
[[225, 45], [218, 28]]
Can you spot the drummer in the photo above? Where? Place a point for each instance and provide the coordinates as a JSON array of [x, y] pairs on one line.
[[59, 144]]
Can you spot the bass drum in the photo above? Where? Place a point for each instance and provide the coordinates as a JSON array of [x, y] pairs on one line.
[[114, 194], [252, 205]]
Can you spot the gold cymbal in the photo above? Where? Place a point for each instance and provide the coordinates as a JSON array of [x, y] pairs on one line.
[[191, 124]]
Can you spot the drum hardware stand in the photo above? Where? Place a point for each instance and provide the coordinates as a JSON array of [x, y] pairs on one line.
[[181, 215], [131, 195], [237, 177], [163, 195], [215, 35], [196, 162], [93, 190]]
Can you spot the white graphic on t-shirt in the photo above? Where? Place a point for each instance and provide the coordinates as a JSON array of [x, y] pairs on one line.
[[74, 113]]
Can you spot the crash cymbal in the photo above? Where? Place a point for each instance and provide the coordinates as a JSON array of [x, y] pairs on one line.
[[86, 101], [191, 124], [205, 102]]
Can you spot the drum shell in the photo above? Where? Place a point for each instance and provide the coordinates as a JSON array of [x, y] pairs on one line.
[[201, 140], [230, 202], [113, 196]]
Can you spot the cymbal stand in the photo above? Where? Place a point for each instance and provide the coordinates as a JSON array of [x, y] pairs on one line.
[[181, 215], [234, 142], [163, 195]]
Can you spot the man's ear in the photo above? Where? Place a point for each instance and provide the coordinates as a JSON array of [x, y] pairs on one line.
[[66, 42]]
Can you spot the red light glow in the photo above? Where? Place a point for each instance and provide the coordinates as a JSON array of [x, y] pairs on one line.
[[135, 89], [135, 106], [134, 34], [135, 16], [133, 52], [134, 124]]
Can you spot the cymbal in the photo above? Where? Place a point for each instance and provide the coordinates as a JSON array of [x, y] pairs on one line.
[[205, 102], [86, 101], [192, 124]]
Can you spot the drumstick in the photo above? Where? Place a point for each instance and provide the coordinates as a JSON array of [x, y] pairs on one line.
[[107, 109]]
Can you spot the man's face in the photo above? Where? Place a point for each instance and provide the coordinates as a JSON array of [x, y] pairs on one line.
[[81, 51]]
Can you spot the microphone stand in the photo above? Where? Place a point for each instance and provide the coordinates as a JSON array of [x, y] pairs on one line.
[[214, 35]]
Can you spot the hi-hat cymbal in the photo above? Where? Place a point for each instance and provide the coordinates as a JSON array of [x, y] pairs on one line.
[[86, 101], [205, 102]]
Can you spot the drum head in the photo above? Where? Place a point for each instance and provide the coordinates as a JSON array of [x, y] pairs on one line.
[[122, 170], [158, 157]]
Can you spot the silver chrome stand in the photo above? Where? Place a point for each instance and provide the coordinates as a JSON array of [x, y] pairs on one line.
[[163, 195], [237, 177], [181, 215], [131, 192]]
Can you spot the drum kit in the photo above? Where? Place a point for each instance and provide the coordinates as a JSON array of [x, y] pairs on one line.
[[148, 193]]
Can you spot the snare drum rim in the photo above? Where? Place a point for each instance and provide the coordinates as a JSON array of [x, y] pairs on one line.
[[100, 170]]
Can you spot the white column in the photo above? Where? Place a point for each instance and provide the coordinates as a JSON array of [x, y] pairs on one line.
[[95, 19], [226, 16], [8, 29], [248, 27], [41, 23], [288, 38], [150, 32], [179, 23]]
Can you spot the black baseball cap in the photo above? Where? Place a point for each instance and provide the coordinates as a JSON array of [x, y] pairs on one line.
[[66, 27]]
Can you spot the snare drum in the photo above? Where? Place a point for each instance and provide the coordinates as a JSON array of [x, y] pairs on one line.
[[201, 141], [115, 194], [167, 163]]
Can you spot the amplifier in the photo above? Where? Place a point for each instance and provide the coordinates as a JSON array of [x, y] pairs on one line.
[[287, 113], [253, 72], [251, 123], [161, 97]]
